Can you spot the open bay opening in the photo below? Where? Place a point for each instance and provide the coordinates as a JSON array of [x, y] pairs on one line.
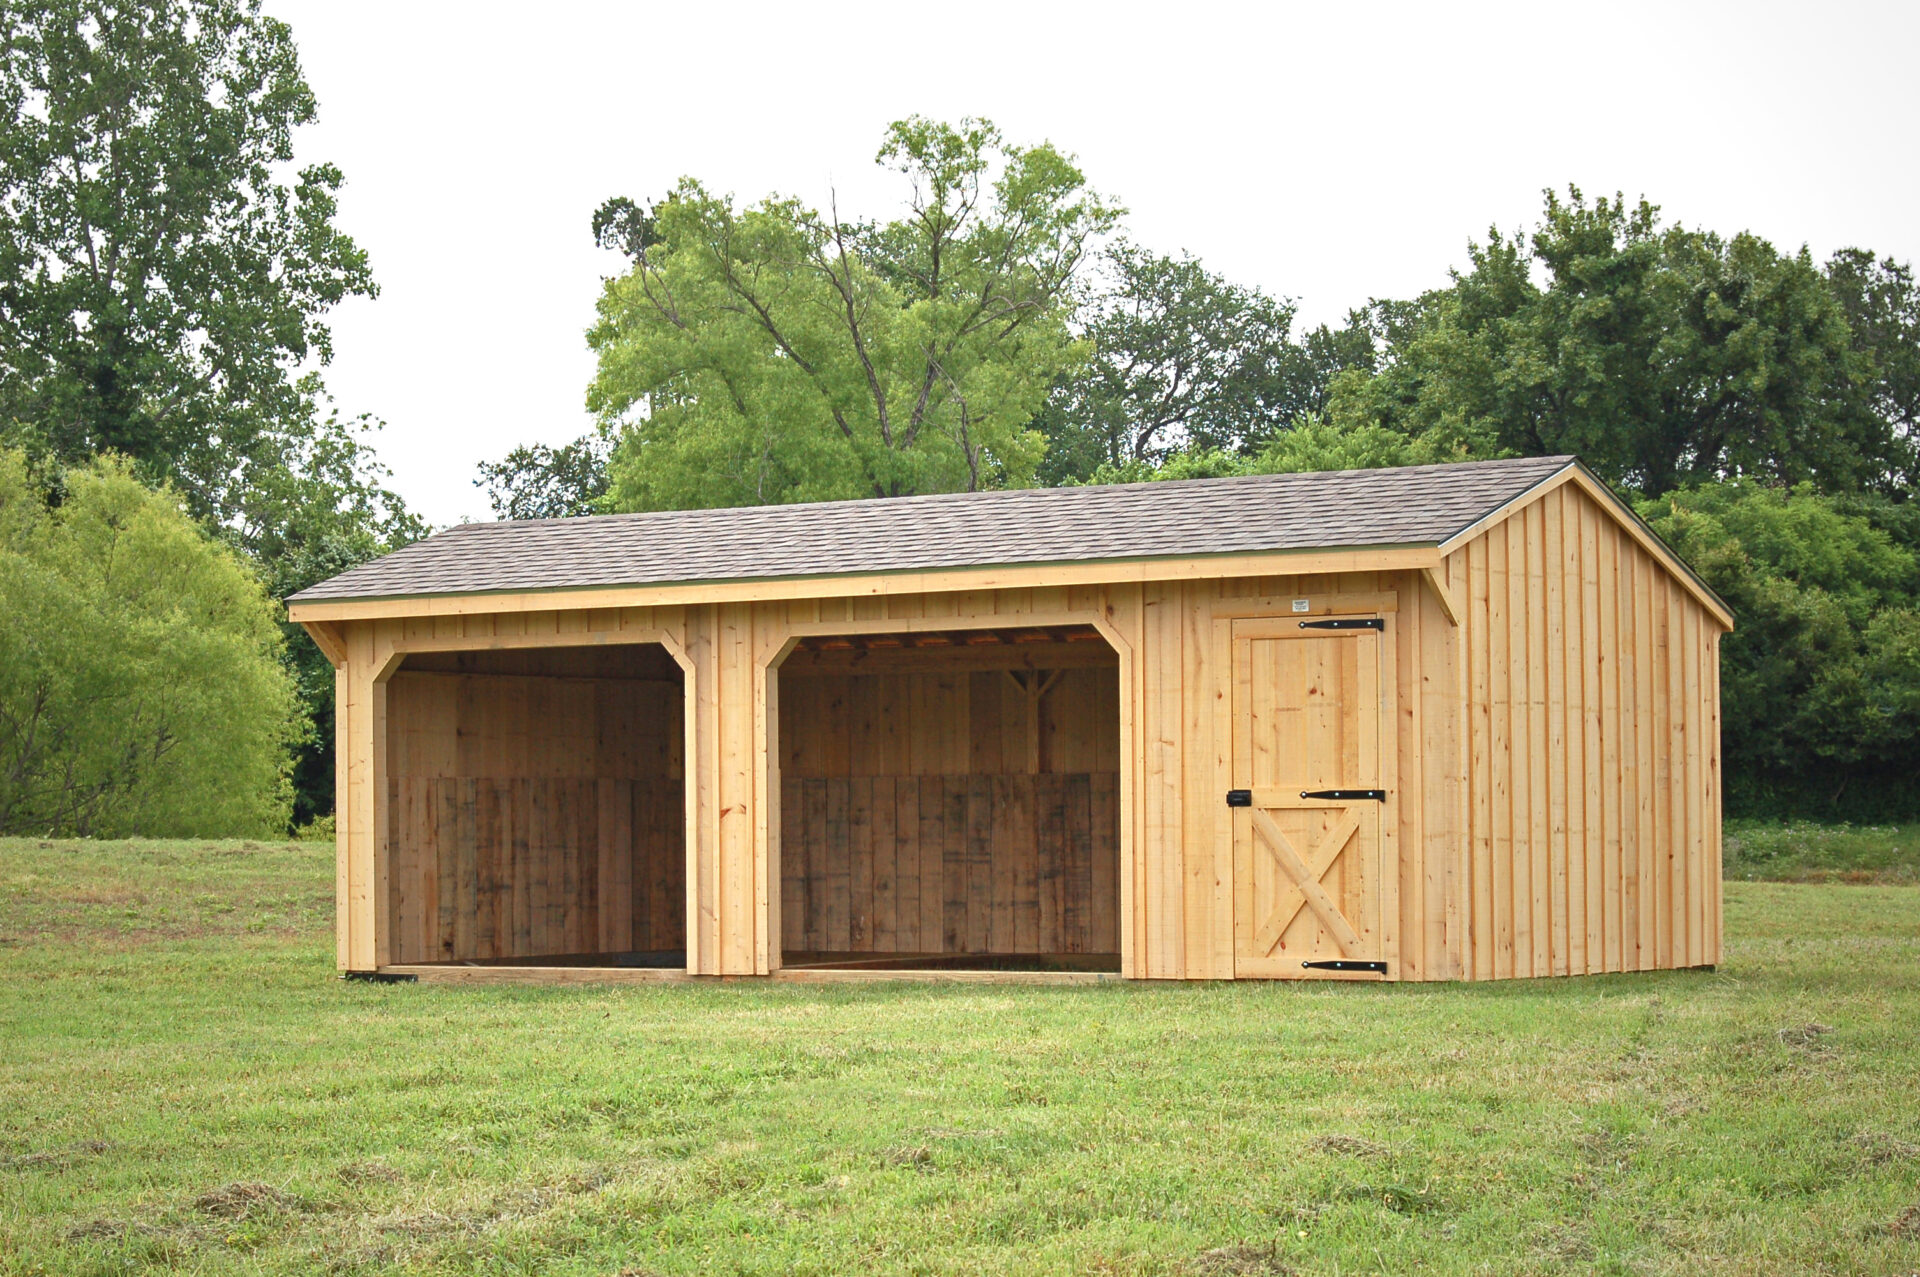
[[950, 800], [536, 808]]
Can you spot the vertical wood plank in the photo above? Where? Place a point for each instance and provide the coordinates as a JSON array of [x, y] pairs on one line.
[[793, 862], [1003, 871], [1501, 752], [977, 901], [1162, 783], [1611, 782], [1076, 913], [906, 861], [1539, 747], [954, 813], [1594, 763], [1104, 817], [882, 840], [520, 822], [1480, 922], [815, 888], [860, 862], [1554, 618], [933, 865]]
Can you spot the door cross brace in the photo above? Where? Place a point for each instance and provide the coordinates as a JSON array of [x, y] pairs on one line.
[[1307, 890]]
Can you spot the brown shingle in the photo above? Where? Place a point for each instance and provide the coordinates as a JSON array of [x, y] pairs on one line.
[[1411, 505]]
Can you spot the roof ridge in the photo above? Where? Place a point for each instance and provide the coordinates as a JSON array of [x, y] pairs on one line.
[[1560, 461]]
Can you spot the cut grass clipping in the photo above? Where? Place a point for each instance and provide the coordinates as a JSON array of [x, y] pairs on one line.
[[184, 1085]]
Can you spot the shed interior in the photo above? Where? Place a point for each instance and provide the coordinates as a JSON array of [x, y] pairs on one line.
[[951, 800], [536, 807]]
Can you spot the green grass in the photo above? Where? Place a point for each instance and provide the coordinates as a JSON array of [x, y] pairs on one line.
[[183, 1085], [1802, 851]]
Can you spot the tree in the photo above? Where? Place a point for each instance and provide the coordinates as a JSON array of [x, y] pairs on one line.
[[161, 282], [1883, 311], [1182, 358], [776, 354], [320, 512], [141, 685], [1820, 681], [1186, 361], [535, 481], [1662, 356]]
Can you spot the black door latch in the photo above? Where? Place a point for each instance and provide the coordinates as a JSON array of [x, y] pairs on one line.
[[1239, 798]]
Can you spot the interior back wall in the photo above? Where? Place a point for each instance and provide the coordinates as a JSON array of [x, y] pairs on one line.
[[536, 804], [941, 810]]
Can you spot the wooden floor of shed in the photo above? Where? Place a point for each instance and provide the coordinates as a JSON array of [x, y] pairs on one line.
[[1032, 962], [805, 968]]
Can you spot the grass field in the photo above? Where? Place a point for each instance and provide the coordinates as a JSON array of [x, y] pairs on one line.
[[183, 1085], [1801, 851]]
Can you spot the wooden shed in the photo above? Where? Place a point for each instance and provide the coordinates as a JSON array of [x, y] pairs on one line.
[[1431, 723]]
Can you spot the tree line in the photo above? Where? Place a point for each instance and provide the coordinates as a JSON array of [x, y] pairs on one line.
[[171, 465], [1759, 408]]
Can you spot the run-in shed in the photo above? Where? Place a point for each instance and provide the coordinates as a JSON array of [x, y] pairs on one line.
[[1439, 722]]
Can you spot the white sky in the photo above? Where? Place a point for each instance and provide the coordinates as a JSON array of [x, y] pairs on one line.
[[1328, 152]]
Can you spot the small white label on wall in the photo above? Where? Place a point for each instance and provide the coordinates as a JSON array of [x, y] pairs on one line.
[[1300, 605]]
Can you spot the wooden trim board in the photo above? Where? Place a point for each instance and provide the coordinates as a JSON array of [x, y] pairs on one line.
[[878, 585]]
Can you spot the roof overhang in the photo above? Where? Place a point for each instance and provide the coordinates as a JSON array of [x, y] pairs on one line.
[[1425, 557], [1379, 558]]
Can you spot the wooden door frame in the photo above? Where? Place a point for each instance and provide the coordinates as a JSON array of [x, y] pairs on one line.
[[766, 713], [388, 658], [1384, 604]]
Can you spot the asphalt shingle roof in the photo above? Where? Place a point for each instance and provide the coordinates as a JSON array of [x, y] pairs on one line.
[[1410, 505]]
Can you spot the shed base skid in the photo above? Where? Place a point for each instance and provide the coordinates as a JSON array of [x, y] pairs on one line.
[[504, 973], [928, 968]]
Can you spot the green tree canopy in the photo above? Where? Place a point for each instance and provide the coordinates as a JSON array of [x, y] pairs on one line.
[[1181, 358], [536, 481], [1820, 681], [141, 686], [1663, 356], [1883, 310], [774, 353], [1184, 361], [162, 275]]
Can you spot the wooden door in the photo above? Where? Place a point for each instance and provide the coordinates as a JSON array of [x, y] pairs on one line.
[[1307, 801]]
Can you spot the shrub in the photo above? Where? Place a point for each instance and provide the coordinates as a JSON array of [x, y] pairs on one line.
[[141, 687]]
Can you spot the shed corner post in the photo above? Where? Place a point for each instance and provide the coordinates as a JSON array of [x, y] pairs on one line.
[[772, 643], [1121, 621], [701, 771], [359, 803]]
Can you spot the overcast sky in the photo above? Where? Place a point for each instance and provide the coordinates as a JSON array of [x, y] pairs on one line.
[[1327, 152]]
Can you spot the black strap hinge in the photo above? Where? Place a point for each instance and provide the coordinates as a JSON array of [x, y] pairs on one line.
[[1346, 795], [1344, 964], [1347, 623]]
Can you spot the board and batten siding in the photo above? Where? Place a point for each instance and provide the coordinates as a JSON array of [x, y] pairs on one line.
[[1591, 744], [1552, 701]]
